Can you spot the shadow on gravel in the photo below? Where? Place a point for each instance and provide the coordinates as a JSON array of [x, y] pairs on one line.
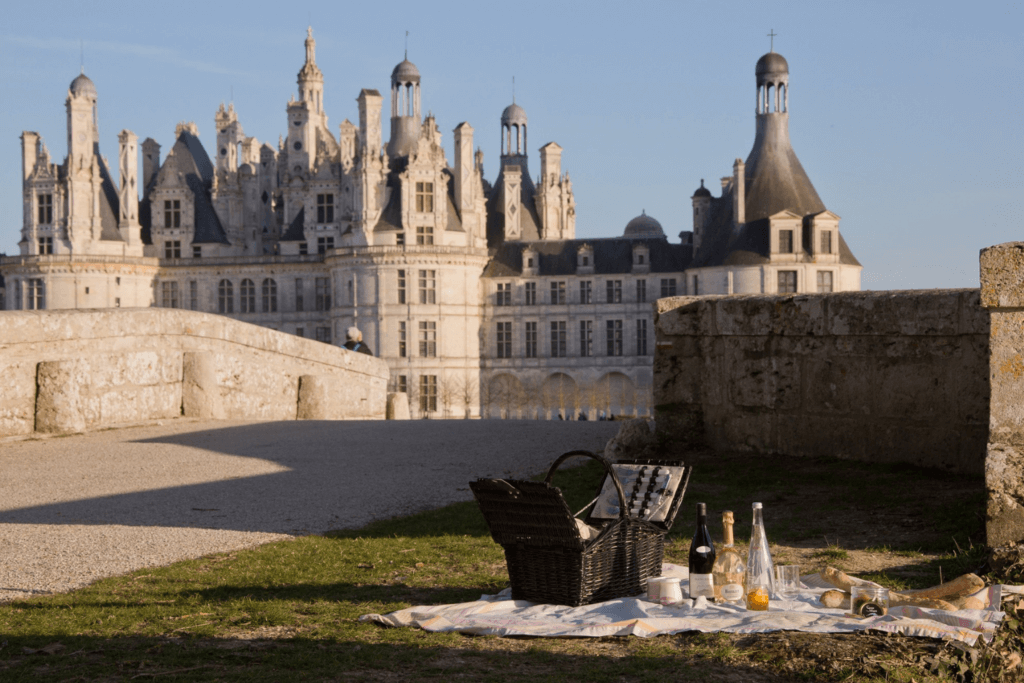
[[339, 474]]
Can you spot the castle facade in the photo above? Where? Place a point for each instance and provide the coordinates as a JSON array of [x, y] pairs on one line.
[[478, 295]]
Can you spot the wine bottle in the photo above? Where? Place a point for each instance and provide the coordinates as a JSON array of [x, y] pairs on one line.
[[729, 567], [702, 558], [759, 580]]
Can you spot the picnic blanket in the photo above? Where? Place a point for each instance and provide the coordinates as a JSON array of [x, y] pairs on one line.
[[499, 615]]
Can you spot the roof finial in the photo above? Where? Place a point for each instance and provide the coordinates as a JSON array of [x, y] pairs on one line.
[[81, 57], [513, 90], [702, 182], [406, 45], [772, 35]]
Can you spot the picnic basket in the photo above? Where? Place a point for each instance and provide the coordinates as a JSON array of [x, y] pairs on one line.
[[548, 559]]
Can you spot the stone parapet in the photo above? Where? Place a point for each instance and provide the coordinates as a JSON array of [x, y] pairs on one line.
[[877, 376], [78, 370]]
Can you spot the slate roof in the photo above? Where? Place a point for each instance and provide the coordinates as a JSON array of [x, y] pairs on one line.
[[612, 256], [190, 160], [110, 205], [295, 232]]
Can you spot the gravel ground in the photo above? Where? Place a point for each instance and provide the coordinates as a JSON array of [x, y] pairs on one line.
[[76, 509]]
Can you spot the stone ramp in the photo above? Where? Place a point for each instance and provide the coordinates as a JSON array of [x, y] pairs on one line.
[[80, 508]]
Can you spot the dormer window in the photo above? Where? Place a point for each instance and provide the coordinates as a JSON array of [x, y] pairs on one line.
[[425, 197], [529, 262], [325, 208], [639, 259], [785, 241], [586, 260], [172, 213], [826, 241], [45, 209]]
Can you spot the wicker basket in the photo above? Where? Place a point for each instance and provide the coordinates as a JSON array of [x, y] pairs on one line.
[[548, 560]]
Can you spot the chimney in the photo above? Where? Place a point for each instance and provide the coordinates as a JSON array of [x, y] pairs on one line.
[[739, 200]]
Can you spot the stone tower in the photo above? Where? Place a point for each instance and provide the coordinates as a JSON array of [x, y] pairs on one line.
[[405, 109]]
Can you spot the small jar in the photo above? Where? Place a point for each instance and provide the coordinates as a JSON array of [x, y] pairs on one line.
[[671, 591], [869, 601]]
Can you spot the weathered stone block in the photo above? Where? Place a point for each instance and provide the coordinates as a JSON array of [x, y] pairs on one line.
[[398, 406], [912, 390], [200, 393], [60, 406], [837, 384], [1002, 276], [674, 322]]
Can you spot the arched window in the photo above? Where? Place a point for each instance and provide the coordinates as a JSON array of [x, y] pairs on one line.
[[269, 296], [225, 297], [248, 296]]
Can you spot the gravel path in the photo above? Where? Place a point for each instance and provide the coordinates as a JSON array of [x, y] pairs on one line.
[[79, 508]]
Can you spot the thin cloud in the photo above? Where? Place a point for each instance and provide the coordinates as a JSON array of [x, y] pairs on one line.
[[151, 52]]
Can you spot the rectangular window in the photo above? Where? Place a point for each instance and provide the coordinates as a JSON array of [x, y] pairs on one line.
[[531, 340], [425, 197], [586, 338], [614, 330], [428, 393], [503, 297], [641, 291], [36, 295], [428, 339], [641, 337], [45, 209], [400, 239], [172, 213], [401, 286], [826, 242], [402, 339], [325, 208], [668, 286], [428, 285], [298, 295], [824, 281], [613, 291], [197, 251], [558, 292], [169, 294], [172, 249], [424, 234], [323, 294], [586, 292], [323, 244], [530, 293], [300, 331], [787, 281], [504, 340], [193, 295], [558, 339], [269, 292], [403, 384], [323, 334], [785, 241], [45, 245]]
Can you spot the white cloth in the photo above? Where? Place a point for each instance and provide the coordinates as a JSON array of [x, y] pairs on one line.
[[501, 616]]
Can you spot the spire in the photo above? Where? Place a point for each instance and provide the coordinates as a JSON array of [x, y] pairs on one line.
[[310, 47]]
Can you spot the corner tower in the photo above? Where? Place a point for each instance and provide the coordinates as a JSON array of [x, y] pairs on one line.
[[773, 178]]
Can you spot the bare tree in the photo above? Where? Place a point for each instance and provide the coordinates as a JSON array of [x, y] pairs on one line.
[[486, 399], [447, 393]]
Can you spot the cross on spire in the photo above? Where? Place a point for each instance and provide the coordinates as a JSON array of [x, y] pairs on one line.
[[513, 90], [772, 36], [406, 45]]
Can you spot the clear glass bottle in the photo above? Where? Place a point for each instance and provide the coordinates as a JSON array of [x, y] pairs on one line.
[[759, 580], [729, 566]]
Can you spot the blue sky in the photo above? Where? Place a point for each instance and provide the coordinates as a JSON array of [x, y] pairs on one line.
[[908, 117]]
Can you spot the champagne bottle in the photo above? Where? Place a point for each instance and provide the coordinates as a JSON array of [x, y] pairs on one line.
[[702, 557], [759, 580], [729, 567]]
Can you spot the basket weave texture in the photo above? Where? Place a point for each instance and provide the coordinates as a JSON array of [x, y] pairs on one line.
[[549, 562]]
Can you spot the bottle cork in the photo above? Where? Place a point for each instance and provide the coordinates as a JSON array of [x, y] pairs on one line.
[[727, 522]]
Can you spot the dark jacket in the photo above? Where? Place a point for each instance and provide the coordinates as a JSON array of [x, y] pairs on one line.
[[359, 347]]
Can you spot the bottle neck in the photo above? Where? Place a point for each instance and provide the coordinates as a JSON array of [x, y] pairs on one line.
[[727, 535]]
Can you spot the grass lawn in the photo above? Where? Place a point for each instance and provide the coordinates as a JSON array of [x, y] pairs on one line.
[[289, 610]]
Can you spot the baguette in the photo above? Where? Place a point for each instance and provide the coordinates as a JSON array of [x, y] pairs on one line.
[[835, 599], [960, 587], [903, 599], [837, 578]]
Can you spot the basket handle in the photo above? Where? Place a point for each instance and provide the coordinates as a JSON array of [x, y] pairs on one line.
[[607, 466]]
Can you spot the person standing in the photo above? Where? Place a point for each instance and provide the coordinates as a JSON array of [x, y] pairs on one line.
[[354, 341]]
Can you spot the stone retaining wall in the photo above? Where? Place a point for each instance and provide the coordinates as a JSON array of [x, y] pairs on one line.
[[76, 370], [879, 376]]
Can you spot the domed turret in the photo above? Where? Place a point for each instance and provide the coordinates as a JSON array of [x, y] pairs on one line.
[[82, 85], [513, 119], [702, 191], [405, 72], [771, 63], [644, 226], [405, 109]]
